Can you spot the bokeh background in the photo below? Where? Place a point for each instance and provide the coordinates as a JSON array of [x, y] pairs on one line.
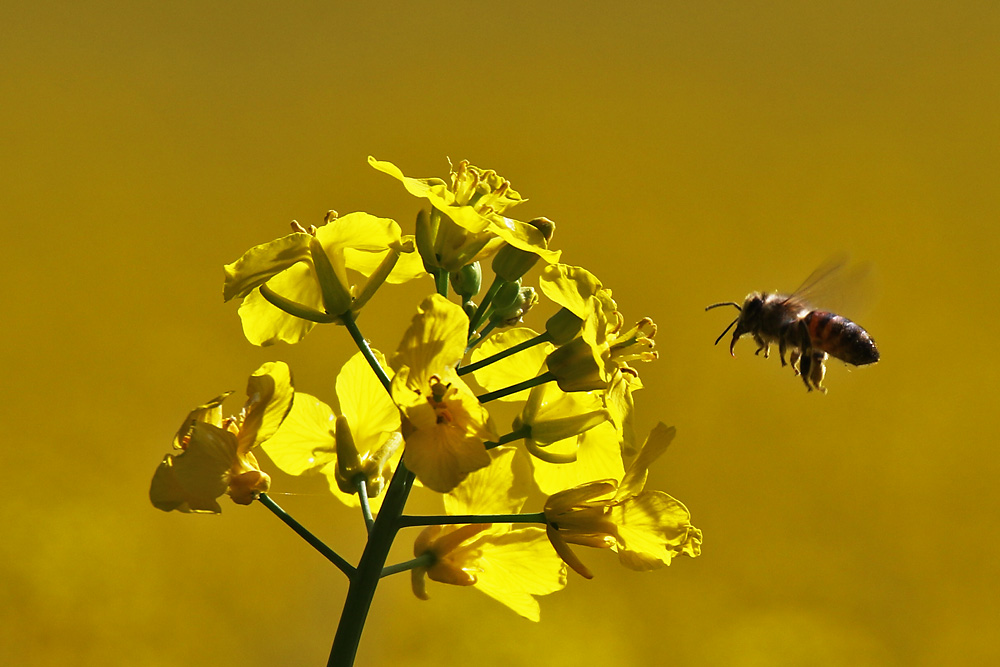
[[689, 152]]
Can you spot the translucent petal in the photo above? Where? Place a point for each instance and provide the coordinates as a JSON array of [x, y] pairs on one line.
[[263, 324], [569, 286], [442, 456], [635, 478], [365, 402], [502, 487], [518, 565], [269, 398], [192, 480], [261, 262], [598, 457], [652, 528], [518, 367], [305, 439], [435, 340]]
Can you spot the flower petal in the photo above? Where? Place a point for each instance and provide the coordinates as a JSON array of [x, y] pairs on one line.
[[262, 262]]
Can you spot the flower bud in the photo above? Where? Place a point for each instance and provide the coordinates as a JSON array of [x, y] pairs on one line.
[[512, 314], [467, 281], [511, 263]]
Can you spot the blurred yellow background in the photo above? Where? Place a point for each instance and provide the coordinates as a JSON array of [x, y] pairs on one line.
[[689, 152]]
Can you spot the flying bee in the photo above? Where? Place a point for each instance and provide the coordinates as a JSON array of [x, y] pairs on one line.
[[810, 335]]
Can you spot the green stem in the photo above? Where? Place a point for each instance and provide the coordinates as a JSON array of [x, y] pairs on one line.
[[366, 509], [441, 282], [407, 521], [422, 560], [519, 434], [484, 304], [547, 376], [503, 354], [314, 541], [352, 327]]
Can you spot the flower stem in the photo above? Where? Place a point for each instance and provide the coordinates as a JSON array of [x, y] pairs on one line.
[[366, 509], [369, 570], [424, 559], [441, 282], [314, 541], [503, 354], [484, 304], [519, 434], [352, 327], [406, 521], [514, 388]]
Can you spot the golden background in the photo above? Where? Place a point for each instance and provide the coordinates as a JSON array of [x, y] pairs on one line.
[[689, 152]]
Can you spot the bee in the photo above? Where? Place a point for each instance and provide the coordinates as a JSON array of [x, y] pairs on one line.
[[810, 335]]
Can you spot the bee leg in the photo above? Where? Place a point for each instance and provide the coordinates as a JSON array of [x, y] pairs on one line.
[[818, 371], [781, 351], [762, 346], [805, 368], [794, 360]]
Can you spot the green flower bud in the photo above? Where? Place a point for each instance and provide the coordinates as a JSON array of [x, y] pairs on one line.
[[512, 314], [511, 263], [467, 281]]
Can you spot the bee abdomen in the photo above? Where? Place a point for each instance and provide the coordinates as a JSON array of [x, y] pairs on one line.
[[841, 338]]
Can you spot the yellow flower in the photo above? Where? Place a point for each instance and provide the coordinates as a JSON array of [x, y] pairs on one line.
[[315, 279], [474, 200], [646, 528], [598, 359], [444, 424], [512, 565], [307, 440], [216, 456]]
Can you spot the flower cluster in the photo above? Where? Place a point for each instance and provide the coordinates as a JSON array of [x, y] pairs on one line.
[[423, 413]]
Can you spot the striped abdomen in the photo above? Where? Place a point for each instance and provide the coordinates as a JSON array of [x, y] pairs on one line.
[[841, 338]]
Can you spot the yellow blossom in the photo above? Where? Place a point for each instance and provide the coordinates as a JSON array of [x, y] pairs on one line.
[[646, 528], [444, 424], [310, 270], [513, 565], [307, 439], [216, 456], [474, 200], [598, 359]]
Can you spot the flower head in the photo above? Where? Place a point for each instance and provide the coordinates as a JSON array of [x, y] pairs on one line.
[[369, 426], [511, 565], [473, 202], [444, 424], [308, 271], [598, 359], [216, 457], [646, 528]]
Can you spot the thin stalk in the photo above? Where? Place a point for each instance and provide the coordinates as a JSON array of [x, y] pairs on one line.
[[366, 510], [519, 434], [407, 521], [352, 327], [441, 282], [314, 541], [514, 388], [423, 559], [484, 304], [503, 354]]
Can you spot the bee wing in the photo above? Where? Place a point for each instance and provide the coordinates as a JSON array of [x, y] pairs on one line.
[[837, 285]]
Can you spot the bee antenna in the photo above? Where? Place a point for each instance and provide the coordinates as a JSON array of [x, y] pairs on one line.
[[727, 328], [725, 303]]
